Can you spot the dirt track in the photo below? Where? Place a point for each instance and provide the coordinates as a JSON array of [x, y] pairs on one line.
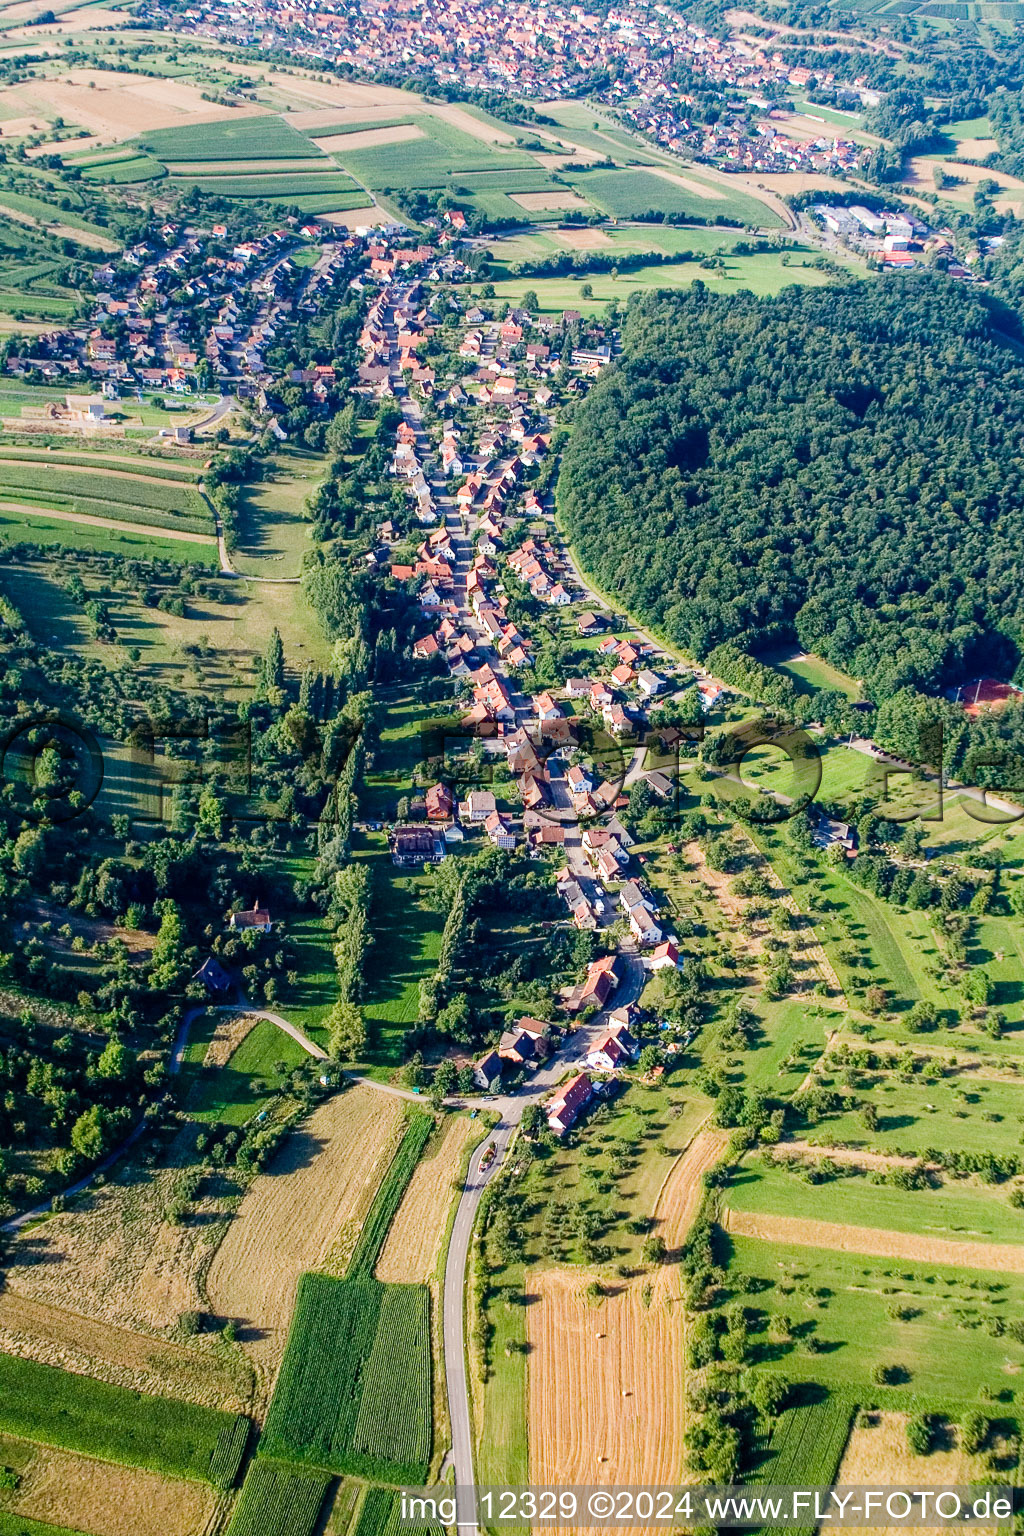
[[1005, 1257]]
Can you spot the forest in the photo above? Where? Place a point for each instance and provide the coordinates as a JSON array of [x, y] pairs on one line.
[[835, 467]]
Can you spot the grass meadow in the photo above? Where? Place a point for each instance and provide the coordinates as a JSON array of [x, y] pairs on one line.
[[958, 1212], [233, 1093], [762, 274], [946, 1348]]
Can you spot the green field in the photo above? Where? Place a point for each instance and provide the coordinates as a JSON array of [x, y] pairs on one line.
[[763, 274], [957, 1212], [811, 672], [630, 194], [407, 944], [807, 1441], [340, 188], [125, 462], [355, 1389], [134, 1428], [20, 1525], [272, 523], [949, 1349], [279, 1500], [51, 213], [36, 528], [119, 495], [232, 1094], [250, 138], [123, 171], [963, 1111], [442, 152]]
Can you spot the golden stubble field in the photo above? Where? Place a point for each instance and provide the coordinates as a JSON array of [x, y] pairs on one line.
[[607, 1381], [115, 105], [877, 1456], [99, 1498], [413, 1243], [303, 1213]]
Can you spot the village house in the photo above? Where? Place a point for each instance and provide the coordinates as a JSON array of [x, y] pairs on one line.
[[487, 1072], [664, 957], [615, 1049], [499, 831], [564, 1109], [600, 982], [257, 918], [439, 802]]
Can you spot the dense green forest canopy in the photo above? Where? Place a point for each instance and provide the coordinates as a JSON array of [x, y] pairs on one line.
[[838, 466]]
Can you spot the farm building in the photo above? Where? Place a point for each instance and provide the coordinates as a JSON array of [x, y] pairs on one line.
[[565, 1107], [487, 1071], [257, 917]]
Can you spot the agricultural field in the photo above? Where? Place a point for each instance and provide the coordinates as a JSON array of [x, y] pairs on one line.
[[630, 194], [279, 1500], [266, 137], [80, 1493], [104, 536], [441, 152], [606, 1371], [354, 1393], [944, 1329], [305, 1212], [115, 495], [412, 1248], [956, 1212], [77, 1413]]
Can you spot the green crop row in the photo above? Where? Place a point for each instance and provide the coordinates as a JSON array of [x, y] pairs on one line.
[[379, 1515], [356, 1373], [120, 486], [92, 506], [40, 1402], [279, 1500], [395, 1409], [142, 465], [389, 1196], [248, 138]]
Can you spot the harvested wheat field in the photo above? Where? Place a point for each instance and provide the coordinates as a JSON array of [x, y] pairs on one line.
[[700, 187], [582, 239], [354, 218], [117, 105], [606, 1382], [1008, 1258], [877, 1457], [370, 138], [118, 1258], [57, 1336], [413, 1242], [228, 1033], [303, 1213], [556, 199], [683, 1189], [99, 1498]]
